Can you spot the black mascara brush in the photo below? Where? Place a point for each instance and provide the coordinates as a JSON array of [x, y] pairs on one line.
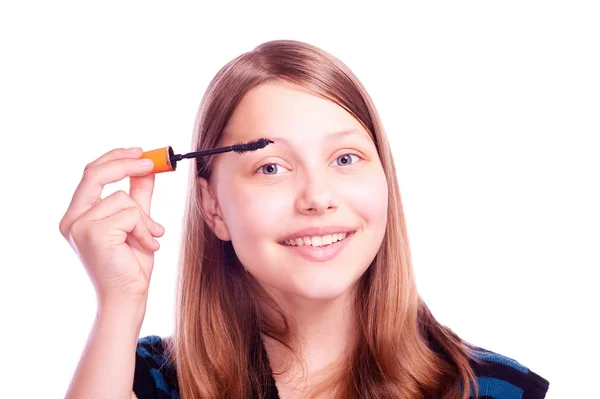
[[165, 159]]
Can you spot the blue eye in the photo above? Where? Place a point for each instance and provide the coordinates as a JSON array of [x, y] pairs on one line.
[[270, 169], [346, 159]]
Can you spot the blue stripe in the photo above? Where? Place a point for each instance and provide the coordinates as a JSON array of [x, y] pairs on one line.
[[160, 382], [143, 352], [497, 388], [145, 344], [497, 358]]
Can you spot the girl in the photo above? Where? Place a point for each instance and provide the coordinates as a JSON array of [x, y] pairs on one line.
[[296, 279]]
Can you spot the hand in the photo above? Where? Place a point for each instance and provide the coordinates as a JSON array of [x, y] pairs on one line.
[[114, 237]]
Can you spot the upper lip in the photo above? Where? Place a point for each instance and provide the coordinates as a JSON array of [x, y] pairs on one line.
[[318, 231]]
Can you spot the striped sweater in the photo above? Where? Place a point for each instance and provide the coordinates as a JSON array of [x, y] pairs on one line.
[[498, 377]]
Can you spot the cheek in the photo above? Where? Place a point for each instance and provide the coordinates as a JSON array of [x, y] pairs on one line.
[[255, 213], [368, 198]]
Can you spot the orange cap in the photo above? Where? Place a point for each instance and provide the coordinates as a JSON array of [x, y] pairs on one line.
[[162, 159]]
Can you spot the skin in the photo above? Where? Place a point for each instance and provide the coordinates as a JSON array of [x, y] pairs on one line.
[[312, 176]]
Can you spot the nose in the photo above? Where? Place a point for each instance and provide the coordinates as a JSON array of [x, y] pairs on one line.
[[317, 195]]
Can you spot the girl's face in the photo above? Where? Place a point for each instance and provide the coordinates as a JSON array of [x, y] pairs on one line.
[[307, 214]]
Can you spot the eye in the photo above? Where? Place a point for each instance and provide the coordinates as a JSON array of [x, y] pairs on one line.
[[347, 159], [270, 169]]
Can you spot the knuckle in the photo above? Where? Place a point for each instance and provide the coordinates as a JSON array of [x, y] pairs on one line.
[[88, 166], [91, 232], [135, 212], [84, 230], [121, 195], [118, 153], [62, 227], [77, 230], [89, 172], [149, 221], [112, 153]]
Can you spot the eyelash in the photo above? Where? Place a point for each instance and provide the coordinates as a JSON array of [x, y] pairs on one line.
[[342, 155]]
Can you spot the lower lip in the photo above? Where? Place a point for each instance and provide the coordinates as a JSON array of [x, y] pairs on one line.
[[320, 254]]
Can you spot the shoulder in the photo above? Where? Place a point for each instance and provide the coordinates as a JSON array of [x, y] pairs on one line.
[[501, 377], [155, 376]]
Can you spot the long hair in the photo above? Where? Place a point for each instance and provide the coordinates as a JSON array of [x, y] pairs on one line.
[[400, 350]]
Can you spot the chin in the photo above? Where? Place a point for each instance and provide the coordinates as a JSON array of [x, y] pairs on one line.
[[322, 290]]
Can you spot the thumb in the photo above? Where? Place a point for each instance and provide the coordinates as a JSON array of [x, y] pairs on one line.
[[140, 189]]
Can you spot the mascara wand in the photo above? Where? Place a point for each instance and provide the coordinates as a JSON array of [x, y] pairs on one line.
[[165, 159]]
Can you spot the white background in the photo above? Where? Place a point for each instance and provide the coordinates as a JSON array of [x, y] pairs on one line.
[[492, 109]]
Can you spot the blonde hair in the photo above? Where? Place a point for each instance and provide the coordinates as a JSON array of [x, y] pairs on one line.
[[400, 350]]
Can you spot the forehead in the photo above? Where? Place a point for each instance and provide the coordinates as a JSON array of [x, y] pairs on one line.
[[286, 110]]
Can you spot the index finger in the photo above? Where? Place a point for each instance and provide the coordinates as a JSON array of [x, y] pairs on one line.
[[89, 190]]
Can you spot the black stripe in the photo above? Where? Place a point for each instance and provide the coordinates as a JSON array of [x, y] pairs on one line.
[[538, 387], [143, 384], [533, 385]]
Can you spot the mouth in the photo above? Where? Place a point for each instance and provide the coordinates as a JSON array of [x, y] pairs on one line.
[[317, 241], [320, 248]]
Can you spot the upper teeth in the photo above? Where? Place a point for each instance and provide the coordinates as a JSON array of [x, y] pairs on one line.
[[317, 241]]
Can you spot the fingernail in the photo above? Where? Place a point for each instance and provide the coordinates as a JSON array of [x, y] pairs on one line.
[[160, 226], [134, 150], [145, 162]]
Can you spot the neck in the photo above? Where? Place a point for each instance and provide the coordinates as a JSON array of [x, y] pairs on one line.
[[324, 333]]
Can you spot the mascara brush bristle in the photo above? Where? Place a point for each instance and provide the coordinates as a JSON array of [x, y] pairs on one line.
[[251, 146]]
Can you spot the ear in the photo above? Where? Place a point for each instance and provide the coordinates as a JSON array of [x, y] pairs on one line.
[[212, 212]]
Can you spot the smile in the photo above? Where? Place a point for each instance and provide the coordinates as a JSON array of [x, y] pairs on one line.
[[316, 241], [319, 248]]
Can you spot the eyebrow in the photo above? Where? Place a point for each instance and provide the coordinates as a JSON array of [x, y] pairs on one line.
[[328, 136]]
